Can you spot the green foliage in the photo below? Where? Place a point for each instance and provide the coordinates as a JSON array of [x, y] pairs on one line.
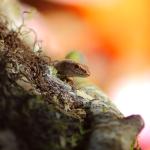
[[76, 56]]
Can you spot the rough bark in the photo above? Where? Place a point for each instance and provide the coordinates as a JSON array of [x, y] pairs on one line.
[[106, 128]]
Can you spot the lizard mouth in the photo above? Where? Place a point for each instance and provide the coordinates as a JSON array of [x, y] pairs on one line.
[[86, 74]]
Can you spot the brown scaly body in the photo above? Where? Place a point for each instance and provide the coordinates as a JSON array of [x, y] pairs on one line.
[[70, 68]]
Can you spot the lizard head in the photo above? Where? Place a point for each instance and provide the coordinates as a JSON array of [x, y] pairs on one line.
[[81, 70], [70, 68]]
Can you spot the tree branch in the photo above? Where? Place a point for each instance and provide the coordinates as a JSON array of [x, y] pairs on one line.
[[109, 129]]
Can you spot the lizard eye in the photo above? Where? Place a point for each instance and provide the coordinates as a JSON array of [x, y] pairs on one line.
[[77, 66]]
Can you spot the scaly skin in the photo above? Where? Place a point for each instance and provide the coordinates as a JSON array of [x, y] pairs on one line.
[[70, 68]]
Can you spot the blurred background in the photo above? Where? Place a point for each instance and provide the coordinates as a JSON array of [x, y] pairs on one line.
[[114, 37]]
